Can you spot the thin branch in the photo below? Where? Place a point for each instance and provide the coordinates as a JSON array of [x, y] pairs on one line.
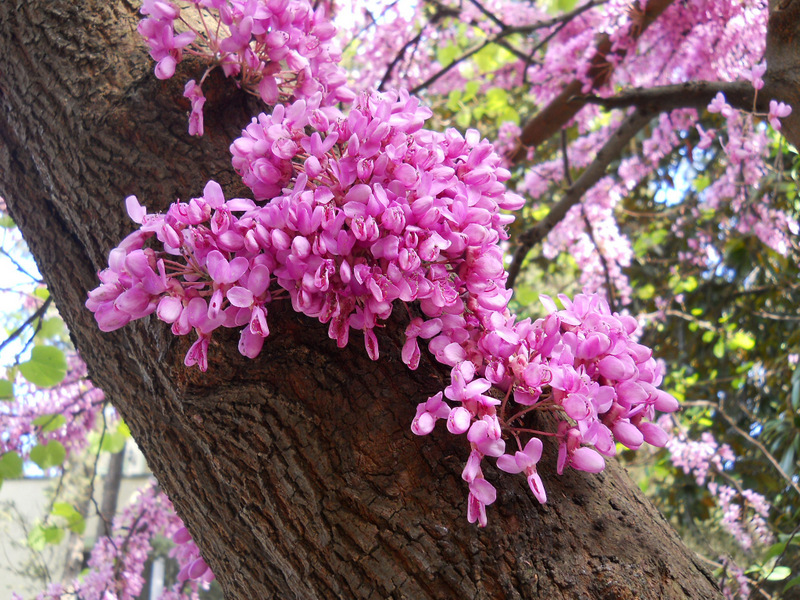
[[444, 70], [36, 315], [371, 24], [560, 110], [775, 316], [18, 266], [693, 94], [591, 175], [399, 56], [761, 447], [765, 577], [499, 39], [589, 230], [612, 299], [489, 14]]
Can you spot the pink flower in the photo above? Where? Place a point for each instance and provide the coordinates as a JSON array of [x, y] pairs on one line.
[[777, 110]]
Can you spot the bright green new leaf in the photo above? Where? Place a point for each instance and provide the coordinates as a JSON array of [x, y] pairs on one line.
[[10, 465], [46, 368], [779, 574], [42, 535], [646, 292], [75, 522], [447, 54], [51, 454], [464, 118], [701, 182], [454, 100], [743, 340], [6, 390], [470, 89], [50, 328], [50, 422], [113, 442]]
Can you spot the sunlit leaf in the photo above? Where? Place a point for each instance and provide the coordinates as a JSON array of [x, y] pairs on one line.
[[10, 465], [6, 390], [51, 454], [50, 422], [47, 366]]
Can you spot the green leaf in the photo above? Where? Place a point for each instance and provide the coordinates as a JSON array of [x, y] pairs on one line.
[[702, 182], [775, 550], [124, 429], [51, 454], [464, 118], [10, 465], [508, 114], [113, 442], [50, 328], [42, 293], [646, 291], [791, 583], [719, 349], [454, 100], [743, 340], [7, 222], [46, 368], [50, 422], [470, 90], [6, 390], [75, 522], [526, 295], [779, 574], [42, 535], [447, 54]]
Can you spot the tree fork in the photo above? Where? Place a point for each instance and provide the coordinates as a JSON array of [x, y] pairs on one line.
[[296, 473]]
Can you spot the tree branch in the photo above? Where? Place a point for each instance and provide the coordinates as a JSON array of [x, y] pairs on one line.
[[36, 315], [789, 481], [399, 56], [694, 94], [499, 37], [560, 110], [591, 175]]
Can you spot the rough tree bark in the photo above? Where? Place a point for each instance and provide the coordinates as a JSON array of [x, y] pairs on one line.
[[296, 473]]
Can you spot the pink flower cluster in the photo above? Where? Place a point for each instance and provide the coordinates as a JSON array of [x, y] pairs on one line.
[[744, 519], [277, 49], [379, 210], [374, 209], [117, 563], [65, 413], [579, 363], [188, 556], [697, 457]]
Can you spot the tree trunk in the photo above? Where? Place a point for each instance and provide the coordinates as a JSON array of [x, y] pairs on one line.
[[296, 473]]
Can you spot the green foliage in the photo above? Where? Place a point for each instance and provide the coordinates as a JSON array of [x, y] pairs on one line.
[[47, 366], [42, 535], [50, 422], [111, 441], [73, 520], [51, 454], [6, 390], [10, 465]]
